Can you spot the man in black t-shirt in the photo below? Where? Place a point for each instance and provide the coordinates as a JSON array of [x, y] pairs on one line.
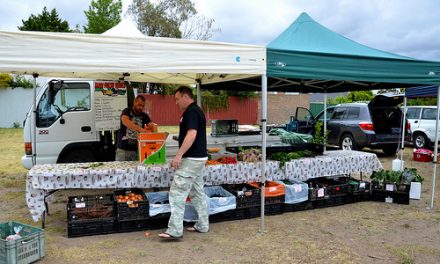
[[189, 163], [133, 121]]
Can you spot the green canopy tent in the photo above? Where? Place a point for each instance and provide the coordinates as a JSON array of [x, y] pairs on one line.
[[308, 57]]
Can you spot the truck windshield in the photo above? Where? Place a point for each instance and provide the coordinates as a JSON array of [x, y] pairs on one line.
[[70, 97]]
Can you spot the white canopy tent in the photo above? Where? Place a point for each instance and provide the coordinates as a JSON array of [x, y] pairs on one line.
[[139, 58], [145, 59]]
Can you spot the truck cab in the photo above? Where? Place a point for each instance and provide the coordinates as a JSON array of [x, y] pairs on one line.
[[65, 124]]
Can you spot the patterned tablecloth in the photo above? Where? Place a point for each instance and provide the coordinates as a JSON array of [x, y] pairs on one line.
[[112, 175]]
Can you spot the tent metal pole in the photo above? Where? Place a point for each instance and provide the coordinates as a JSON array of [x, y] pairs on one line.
[[402, 147], [434, 161], [325, 121], [263, 146], [199, 95], [34, 122]]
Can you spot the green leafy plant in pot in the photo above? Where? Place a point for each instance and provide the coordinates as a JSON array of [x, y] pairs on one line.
[[320, 138]]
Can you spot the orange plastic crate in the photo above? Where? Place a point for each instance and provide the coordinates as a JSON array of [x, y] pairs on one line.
[[273, 189]]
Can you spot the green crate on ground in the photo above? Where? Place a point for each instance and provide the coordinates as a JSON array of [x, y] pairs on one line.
[[29, 248]]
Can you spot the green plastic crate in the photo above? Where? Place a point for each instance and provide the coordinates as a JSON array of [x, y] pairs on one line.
[[28, 249]]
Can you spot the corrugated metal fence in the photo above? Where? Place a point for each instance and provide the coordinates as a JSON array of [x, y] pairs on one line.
[[163, 110]]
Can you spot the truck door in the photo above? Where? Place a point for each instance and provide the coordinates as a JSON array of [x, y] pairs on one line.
[[64, 114], [305, 120]]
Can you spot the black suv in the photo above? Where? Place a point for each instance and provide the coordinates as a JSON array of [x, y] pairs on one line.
[[353, 126]]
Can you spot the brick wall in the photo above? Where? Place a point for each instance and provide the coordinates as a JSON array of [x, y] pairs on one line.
[[281, 106]]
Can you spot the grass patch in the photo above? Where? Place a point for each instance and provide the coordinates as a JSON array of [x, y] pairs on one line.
[[12, 148]]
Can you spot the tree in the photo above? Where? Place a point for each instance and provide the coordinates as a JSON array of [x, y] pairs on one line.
[[7, 80], [49, 22], [352, 97], [171, 18], [103, 15]]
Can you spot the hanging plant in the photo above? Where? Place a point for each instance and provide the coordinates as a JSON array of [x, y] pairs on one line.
[[212, 103]]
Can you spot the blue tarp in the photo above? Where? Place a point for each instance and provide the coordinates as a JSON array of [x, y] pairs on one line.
[[422, 91]]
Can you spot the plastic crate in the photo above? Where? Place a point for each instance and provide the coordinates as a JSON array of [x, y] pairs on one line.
[[358, 191], [219, 200], [90, 207], [272, 189], [159, 221], [132, 210], [397, 197], [306, 205], [132, 226], [221, 128], [29, 248], [91, 227], [246, 195], [231, 215]]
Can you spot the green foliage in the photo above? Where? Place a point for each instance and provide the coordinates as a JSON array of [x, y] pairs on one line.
[[212, 103], [21, 81], [355, 96], [16, 125], [49, 22], [319, 137], [5, 80], [170, 18], [422, 101], [102, 15], [242, 94]]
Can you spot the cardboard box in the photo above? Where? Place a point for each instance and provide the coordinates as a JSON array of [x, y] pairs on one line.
[[152, 148]]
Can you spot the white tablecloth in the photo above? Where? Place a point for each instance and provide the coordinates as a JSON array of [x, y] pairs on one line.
[[112, 175]]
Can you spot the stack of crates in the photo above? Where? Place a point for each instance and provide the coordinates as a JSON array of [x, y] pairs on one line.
[[27, 249], [90, 215], [248, 199], [222, 128], [132, 208], [327, 191], [273, 197]]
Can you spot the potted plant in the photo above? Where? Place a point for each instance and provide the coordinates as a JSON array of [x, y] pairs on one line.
[[320, 138], [378, 178]]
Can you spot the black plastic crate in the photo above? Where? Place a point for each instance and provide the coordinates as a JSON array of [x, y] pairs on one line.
[[90, 227], [273, 209], [87, 207], [331, 188], [230, 215], [336, 200], [398, 197], [132, 210], [274, 200], [358, 191], [247, 195], [306, 205], [221, 128], [159, 221], [132, 226], [253, 212]]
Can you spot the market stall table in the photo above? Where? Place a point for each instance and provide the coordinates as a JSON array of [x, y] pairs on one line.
[[47, 178]]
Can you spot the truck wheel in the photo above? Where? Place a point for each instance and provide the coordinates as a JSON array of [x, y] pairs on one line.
[[348, 143], [78, 156], [420, 140]]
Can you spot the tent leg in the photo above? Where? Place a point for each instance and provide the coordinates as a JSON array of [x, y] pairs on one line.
[[34, 122], [263, 146], [434, 161]]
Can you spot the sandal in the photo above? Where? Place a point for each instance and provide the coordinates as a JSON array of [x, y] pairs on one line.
[[167, 236], [193, 229]]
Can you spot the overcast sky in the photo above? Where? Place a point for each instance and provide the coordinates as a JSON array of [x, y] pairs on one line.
[[406, 27]]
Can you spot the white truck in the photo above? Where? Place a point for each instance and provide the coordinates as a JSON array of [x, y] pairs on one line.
[[75, 121]]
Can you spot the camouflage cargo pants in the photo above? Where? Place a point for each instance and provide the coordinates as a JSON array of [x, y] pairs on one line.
[[188, 182]]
